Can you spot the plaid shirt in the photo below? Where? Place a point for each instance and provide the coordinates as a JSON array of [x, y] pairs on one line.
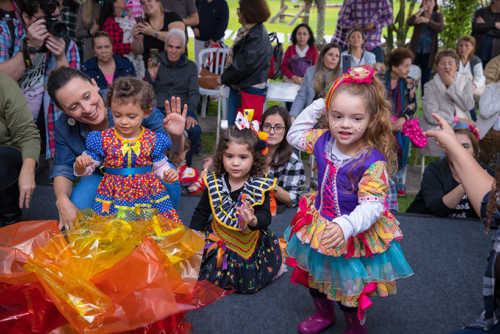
[[51, 112], [489, 317], [363, 12], [113, 29], [291, 177], [6, 39]]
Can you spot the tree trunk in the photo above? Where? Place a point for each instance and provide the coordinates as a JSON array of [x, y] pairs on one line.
[[320, 30]]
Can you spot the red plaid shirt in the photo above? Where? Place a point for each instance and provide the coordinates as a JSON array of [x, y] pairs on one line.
[[113, 29]]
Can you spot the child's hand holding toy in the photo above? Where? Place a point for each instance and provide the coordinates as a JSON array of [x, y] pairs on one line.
[[82, 162], [246, 213]]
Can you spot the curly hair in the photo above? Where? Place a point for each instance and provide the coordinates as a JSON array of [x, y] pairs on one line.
[[127, 90], [245, 136], [378, 134], [493, 204]]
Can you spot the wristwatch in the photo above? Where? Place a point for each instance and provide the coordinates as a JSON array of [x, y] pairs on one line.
[[156, 34]]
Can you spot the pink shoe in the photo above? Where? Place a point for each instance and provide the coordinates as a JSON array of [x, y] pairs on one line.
[[321, 320], [353, 324]]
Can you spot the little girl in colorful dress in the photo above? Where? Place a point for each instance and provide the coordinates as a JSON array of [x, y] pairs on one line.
[[240, 252], [344, 242], [133, 156]]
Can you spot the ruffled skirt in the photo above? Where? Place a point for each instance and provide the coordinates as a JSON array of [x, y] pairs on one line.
[[244, 275], [374, 256]]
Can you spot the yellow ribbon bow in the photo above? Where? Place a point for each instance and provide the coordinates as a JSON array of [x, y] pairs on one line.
[[129, 148]]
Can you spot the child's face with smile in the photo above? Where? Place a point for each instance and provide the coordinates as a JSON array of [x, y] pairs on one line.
[[348, 119], [127, 118], [237, 160]]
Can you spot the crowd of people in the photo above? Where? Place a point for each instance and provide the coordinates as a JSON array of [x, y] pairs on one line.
[[106, 92]]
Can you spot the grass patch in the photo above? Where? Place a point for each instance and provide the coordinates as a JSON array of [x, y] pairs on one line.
[[208, 142], [404, 202]]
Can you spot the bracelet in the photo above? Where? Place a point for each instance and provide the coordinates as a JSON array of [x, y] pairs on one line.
[[26, 54]]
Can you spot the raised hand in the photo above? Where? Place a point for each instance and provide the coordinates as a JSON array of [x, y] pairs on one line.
[[175, 121]]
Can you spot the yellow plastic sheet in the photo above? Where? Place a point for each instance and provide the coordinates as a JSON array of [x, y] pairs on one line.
[[110, 274]]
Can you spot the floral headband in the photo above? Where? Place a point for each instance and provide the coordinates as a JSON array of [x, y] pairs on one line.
[[359, 75], [244, 121], [468, 126]]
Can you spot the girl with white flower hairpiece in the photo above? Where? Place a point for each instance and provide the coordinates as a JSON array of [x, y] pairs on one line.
[[240, 252]]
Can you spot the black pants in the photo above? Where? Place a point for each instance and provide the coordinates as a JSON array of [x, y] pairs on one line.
[[316, 294], [10, 167]]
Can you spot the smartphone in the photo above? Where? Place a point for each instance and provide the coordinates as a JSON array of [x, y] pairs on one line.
[[139, 19]]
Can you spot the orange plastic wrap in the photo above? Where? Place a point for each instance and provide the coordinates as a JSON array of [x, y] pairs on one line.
[[17, 242], [135, 271]]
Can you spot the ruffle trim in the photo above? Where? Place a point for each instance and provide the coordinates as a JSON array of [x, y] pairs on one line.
[[384, 289], [377, 239], [223, 206]]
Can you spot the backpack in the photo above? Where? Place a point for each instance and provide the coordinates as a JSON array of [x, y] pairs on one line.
[[277, 57]]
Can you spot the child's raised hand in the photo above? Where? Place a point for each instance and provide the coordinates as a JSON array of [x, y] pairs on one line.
[[332, 236], [247, 213], [82, 162], [170, 176]]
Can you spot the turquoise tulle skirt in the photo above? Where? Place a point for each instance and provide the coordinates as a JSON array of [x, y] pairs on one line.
[[347, 277]]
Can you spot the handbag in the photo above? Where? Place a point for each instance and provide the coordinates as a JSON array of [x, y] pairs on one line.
[[207, 79]]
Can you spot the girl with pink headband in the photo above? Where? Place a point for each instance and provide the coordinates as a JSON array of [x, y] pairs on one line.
[[344, 241]]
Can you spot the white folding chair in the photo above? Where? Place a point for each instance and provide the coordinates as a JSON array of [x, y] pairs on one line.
[[214, 60]]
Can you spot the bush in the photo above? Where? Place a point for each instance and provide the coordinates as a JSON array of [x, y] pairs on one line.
[[457, 20]]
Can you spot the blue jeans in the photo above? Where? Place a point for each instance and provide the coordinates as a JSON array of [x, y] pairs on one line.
[[84, 193], [422, 61]]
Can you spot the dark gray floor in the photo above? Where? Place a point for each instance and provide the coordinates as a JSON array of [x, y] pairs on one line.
[[448, 257]]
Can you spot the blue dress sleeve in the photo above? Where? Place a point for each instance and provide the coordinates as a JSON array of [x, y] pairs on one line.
[[93, 146], [162, 144]]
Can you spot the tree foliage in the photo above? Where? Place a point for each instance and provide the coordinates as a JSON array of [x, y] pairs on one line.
[[398, 31], [457, 20]]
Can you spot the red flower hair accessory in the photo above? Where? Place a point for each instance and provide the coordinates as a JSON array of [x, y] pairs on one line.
[[359, 75]]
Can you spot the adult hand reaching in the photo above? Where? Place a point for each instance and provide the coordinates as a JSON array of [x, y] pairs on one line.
[[67, 212], [175, 121]]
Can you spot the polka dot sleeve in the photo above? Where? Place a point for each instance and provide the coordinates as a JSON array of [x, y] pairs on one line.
[[93, 146], [162, 144]]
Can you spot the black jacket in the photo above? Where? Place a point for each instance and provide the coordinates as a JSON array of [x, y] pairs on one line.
[[251, 60], [214, 17], [437, 182]]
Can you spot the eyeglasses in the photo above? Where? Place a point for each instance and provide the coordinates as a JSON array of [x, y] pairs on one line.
[[277, 128]]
